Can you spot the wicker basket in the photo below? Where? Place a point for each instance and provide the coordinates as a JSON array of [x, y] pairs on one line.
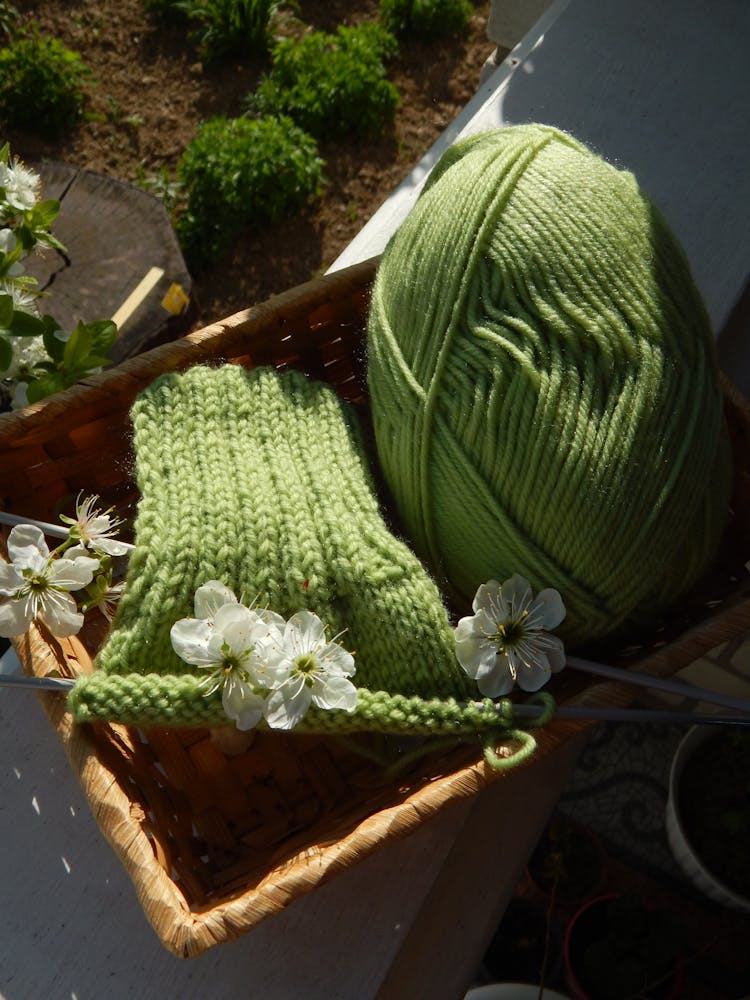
[[218, 835]]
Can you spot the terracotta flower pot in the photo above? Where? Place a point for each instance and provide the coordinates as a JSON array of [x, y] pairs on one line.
[[569, 861], [705, 846], [617, 947], [526, 934]]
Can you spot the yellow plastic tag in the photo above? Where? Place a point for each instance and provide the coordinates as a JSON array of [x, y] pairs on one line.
[[176, 299]]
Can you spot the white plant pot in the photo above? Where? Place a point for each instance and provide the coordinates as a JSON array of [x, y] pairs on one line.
[[681, 847], [511, 991]]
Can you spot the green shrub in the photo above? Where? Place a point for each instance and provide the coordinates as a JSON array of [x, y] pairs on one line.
[[239, 170], [426, 19], [331, 85], [9, 19], [159, 8], [230, 27], [167, 14], [41, 84]]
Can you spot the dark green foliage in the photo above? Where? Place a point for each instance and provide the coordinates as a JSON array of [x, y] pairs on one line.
[[222, 27], [237, 171], [231, 27], [41, 84], [160, 8], [9, 19], [621, 948], [332, 85], [425, 19]]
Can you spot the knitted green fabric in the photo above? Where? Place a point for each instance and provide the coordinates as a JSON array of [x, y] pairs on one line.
[[260, 480], [543, 383]]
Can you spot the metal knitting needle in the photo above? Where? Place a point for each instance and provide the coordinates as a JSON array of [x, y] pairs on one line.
[[668, 684], [36, 683], [586, 713], [576, 713], [54, 530]]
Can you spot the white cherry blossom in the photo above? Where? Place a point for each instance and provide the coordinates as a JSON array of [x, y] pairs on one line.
[[230, 644], [20, 184], [304, 668], [507, 639], [36, 586], [95, 529]]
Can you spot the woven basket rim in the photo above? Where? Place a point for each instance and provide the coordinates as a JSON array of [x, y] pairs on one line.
[[187, 931]]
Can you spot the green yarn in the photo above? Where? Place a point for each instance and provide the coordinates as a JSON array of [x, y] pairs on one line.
[[260, 480], [543, 383]]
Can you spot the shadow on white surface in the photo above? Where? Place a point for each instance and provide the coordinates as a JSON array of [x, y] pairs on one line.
[[72, 926]]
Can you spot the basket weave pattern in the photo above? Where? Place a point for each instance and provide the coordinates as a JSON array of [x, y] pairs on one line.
[[220, 830]]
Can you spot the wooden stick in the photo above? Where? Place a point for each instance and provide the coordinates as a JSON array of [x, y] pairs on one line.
[[141, 291]]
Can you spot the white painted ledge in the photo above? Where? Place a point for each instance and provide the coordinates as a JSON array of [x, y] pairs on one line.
[[658, 89]]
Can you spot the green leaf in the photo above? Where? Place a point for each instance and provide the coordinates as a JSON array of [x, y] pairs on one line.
[[47, 385], [24, 324], [92, 361], [78, 347], [53, 345], [6, 311], [43, 214], [48, 240], [103, 335], [6, 354]]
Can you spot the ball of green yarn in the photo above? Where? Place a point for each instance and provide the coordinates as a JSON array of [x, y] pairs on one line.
[[543, 382]]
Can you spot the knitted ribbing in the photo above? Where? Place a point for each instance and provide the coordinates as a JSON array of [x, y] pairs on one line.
[[543, 382], [179, 699], [260, 480]]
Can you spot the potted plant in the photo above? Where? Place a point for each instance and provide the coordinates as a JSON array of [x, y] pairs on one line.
[[513, 991], [708, 812], [567, 864], [617, 946], [527, 946]]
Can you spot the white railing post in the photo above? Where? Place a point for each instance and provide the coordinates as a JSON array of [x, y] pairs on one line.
[[508, 22]]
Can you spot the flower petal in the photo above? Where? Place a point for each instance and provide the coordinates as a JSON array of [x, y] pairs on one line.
[[307, 630], [27, 541], [287, 705], [554, 650], [235, 615], [241, 633], [335, 692], [211, 596], [72, 574], [516, 594], [271, 618], [109, 546], [243, 705], [497, 682], [334, 659], [77, 551], [533, 673], [547, 609], [487, 596], [476, 655], [466, 629], [190, 638], [14, 618], [10, 579], [60, 614]]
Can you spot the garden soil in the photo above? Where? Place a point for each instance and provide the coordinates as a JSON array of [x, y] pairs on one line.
[[150, 90]]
